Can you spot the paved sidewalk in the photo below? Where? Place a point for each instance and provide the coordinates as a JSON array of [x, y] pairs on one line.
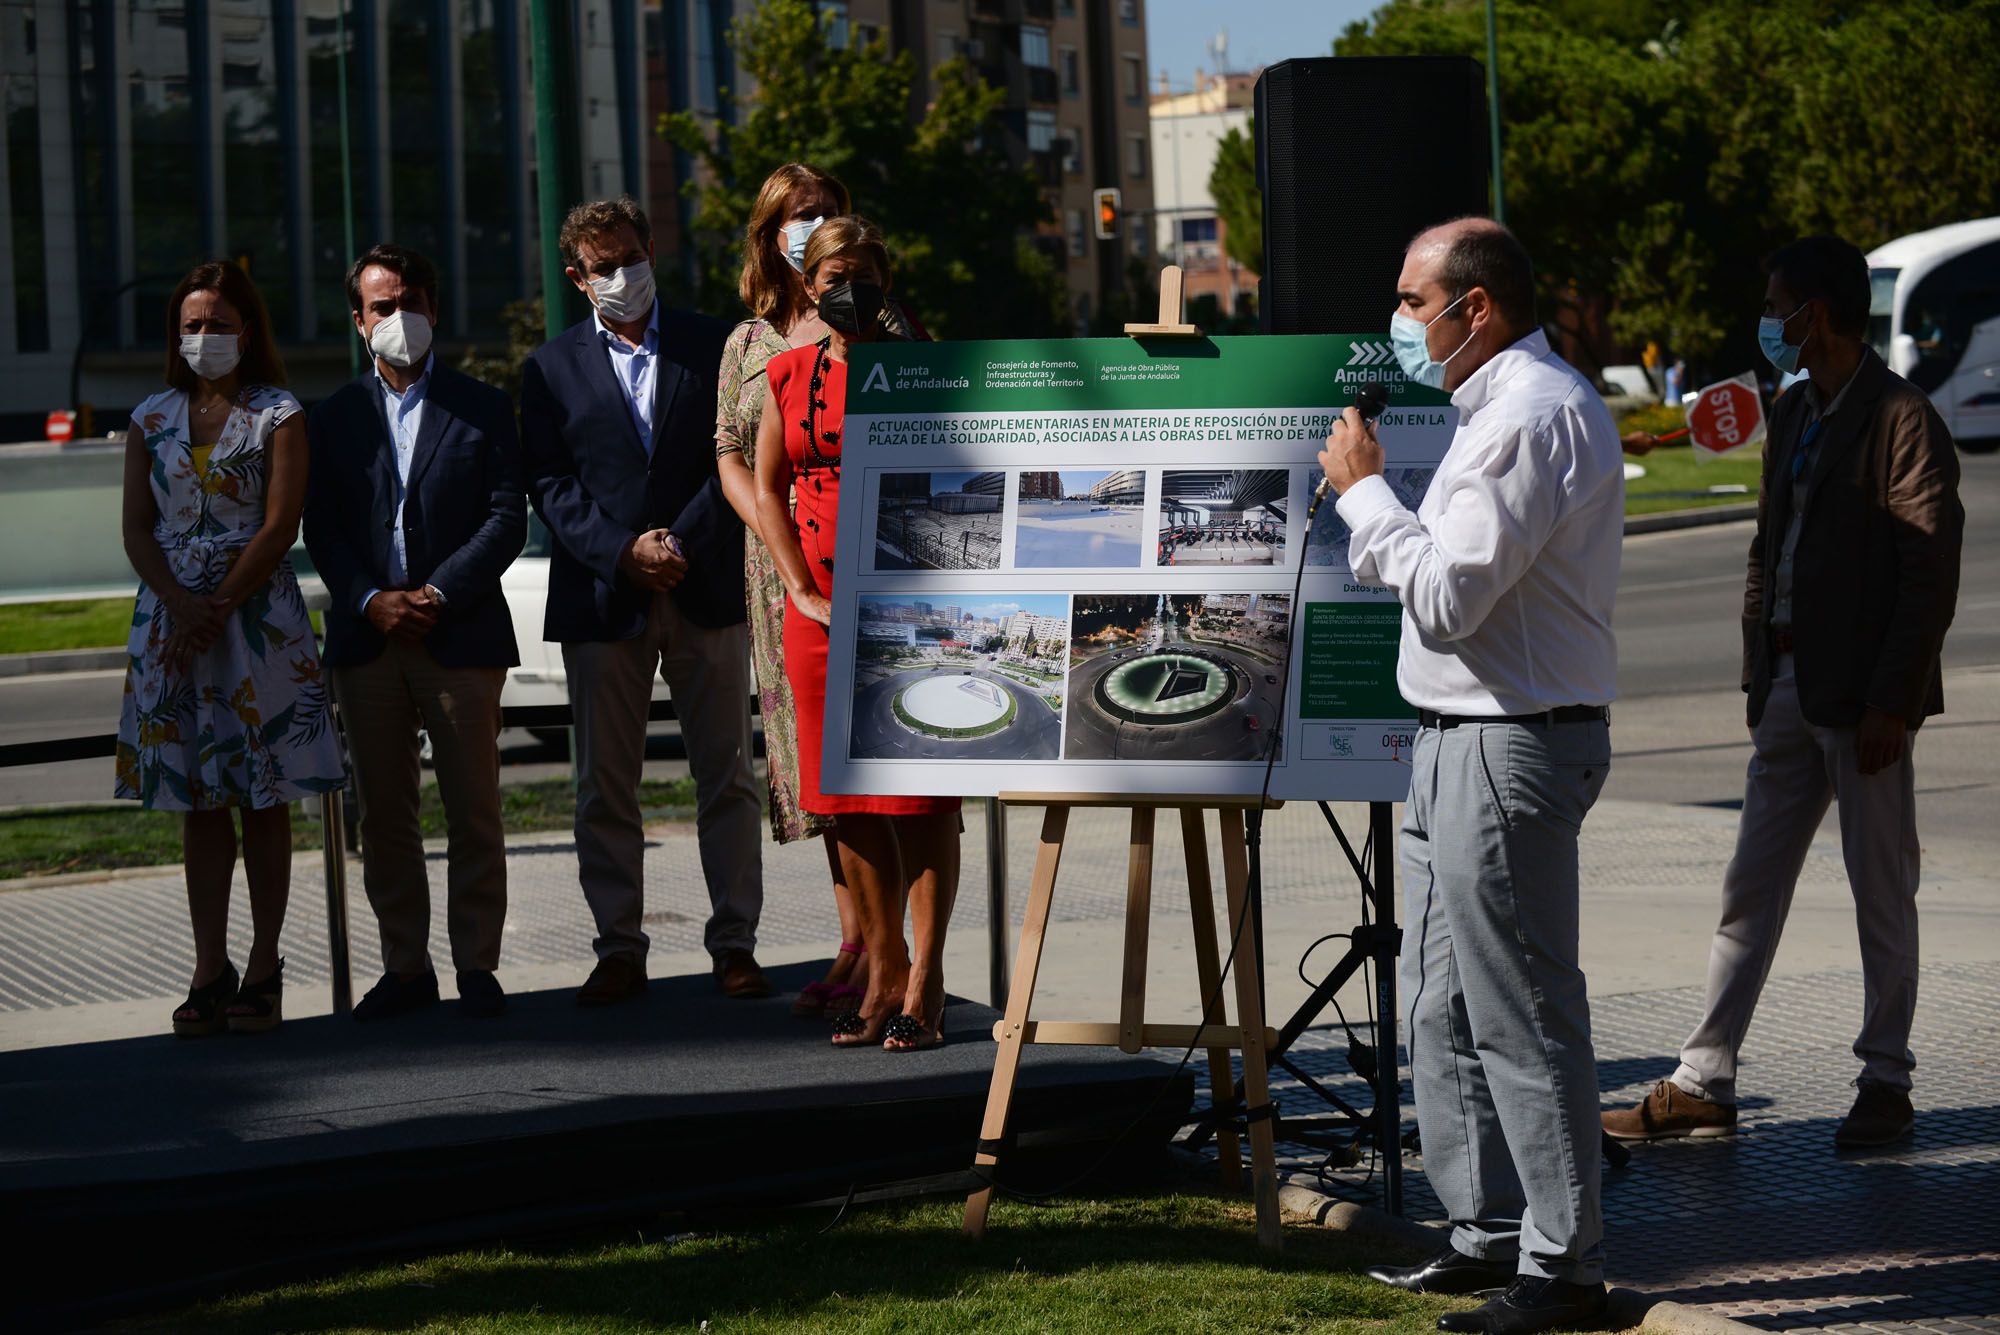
[[1772, 1226]]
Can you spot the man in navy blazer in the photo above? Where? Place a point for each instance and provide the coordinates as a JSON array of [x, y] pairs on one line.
[[413, 511], [646, 576]]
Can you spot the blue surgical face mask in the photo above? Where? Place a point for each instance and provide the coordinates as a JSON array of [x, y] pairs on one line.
[[1408, 336], [796, 236], [1771, 338]]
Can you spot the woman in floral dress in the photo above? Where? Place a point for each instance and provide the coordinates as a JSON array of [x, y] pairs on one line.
[[793, 200], [225, 705]]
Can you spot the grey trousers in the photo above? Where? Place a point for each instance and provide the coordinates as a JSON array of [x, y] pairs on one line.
[[610, 689], [1498, 1020], [1795, 771]]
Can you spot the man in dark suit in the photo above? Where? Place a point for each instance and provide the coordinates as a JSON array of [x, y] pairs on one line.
[[1853, 580], [618, 428], [413, 511]]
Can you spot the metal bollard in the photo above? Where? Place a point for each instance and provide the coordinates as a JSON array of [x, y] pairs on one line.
[[996, 901], [333, 826]]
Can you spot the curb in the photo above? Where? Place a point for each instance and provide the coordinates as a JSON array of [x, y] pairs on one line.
[[61, 660], [1700, 517], [1629, 1307]]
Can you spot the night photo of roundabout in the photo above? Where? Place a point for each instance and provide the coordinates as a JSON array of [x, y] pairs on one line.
[[1145, 684], [952, 712]]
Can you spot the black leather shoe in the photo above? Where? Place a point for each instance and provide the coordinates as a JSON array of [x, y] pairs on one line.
[[480, 996], [1532, 1304], [395, 996], [1450, 1271]]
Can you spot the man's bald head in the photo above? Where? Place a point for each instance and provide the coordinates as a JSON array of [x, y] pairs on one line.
[[1468, 253]]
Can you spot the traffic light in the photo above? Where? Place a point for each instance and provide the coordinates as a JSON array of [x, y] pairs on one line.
[[1107, 213]]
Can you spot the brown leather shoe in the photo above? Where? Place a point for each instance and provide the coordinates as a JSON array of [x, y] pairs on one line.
[[738, 977], [616, 978], [1671, 1111]]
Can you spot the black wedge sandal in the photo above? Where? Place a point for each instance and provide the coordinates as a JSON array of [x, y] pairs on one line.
[[260, 1005], [206, 1002]]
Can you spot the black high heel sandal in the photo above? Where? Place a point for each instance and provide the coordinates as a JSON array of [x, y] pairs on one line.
[[259, 1005], [207, 1002]]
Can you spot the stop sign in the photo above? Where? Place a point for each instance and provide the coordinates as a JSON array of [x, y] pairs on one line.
[[60, 426], [1726, 416]]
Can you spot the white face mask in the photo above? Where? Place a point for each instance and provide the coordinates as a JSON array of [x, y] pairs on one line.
[[796, 236], [626, 295], [211, 356], [401, 339]]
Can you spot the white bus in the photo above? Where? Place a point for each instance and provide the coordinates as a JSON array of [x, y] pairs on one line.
[[1934, 315]]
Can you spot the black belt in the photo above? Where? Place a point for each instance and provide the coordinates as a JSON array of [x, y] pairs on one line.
[[1547, 718]]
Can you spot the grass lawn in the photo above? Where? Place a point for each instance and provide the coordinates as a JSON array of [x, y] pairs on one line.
[[1674, 480], [86, 623], [1143, 1265], [40, 841]]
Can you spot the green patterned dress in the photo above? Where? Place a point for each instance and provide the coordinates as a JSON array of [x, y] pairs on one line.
[[739, 406], [247, 724]]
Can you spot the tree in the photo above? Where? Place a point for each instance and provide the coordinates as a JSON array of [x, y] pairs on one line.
[[955, 212], [1232, 182]]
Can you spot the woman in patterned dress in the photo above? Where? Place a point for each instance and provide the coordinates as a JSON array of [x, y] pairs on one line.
[[793, 200], [225, 705], [898, 851]]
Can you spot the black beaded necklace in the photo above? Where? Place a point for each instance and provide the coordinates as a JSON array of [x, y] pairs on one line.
[[814, 458]]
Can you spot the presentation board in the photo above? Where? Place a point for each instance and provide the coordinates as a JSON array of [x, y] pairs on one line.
[[1067, 566]]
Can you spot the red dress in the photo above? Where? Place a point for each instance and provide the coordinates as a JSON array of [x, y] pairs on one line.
[[816, 499]]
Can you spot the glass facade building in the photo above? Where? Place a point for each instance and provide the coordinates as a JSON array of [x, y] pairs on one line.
[[143, 136]]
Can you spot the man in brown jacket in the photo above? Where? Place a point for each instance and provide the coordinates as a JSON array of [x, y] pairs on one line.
[[1853, 579]]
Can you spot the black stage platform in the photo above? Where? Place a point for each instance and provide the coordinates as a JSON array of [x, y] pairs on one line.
[[164, 1168]]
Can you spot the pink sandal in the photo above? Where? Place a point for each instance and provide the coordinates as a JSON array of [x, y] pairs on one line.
[[822, 997]]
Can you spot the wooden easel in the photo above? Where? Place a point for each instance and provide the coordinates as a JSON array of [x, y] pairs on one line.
[[1017, 1029]]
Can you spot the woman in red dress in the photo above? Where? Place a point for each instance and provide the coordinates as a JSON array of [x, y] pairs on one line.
[[895, 851]]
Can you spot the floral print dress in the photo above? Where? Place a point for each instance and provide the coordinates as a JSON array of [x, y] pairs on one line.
[[738, 409], [247, 724]]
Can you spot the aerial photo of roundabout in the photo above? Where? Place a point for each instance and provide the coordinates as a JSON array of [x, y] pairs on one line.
[[1175, 676], [989, 695]]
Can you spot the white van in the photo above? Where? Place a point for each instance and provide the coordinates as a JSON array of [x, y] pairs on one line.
[[1934, 315]]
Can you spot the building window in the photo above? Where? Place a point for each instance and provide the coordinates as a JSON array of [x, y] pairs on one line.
[[864, 33], [947, 47], [1135, 78], [1139, 242], [1066, 8], [834, 12], [1128, 13], [1072, 72], [1041, 131], [1135, 156], [1034, 46], [1197, 231], [1079, 246], [1073, 149]]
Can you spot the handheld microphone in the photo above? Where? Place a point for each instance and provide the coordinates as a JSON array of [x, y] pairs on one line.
[[1370, 399]]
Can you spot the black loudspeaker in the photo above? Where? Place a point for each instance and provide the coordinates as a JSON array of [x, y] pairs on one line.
[[1356, 155]]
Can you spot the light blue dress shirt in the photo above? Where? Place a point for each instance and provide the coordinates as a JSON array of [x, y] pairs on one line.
[[405, 412], [637, 370]]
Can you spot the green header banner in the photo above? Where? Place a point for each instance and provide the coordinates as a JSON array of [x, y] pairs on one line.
[[1125, 374]]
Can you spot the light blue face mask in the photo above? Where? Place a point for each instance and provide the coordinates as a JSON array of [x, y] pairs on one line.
[[796, 236], [1408, 336], [1771, 338]]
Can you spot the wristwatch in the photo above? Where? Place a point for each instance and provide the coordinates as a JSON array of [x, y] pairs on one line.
[[435, 596]]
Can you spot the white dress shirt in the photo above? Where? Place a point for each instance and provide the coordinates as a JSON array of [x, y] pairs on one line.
[[637, 370], [405, 411], [1508, 570]]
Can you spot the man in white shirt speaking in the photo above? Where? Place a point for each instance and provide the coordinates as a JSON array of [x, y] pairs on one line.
[[1506, 572]]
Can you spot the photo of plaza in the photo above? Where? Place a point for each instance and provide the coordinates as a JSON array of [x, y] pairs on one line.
[[1178, 676], [1326, 543], [939, 521], [1079, 518], [1223, 517], [979, 679]]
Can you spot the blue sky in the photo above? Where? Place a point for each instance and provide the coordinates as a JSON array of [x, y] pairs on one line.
[[1261, 32], [992, 609]]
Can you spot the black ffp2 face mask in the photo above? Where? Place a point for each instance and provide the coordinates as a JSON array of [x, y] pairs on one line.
[[853, 308]]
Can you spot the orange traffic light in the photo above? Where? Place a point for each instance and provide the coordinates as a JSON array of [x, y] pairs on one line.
[[1107, 213]]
